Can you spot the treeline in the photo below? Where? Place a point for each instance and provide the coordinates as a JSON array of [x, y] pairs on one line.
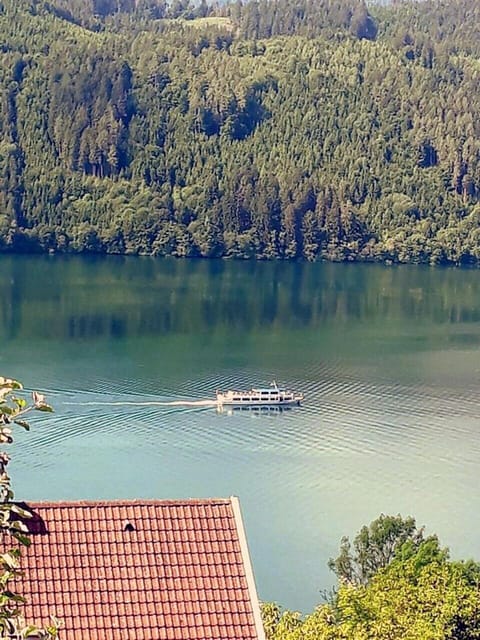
[[265, 129]]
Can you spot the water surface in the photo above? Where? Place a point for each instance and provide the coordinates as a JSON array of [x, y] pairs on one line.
[[388, 358]]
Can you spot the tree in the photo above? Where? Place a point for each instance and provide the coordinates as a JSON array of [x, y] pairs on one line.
[[409, 600], [362, 24], [375, 547], [412, 592], [436, 603], [13, 408]]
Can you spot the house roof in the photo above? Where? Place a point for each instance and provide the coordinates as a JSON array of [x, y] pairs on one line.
[[141, 570]]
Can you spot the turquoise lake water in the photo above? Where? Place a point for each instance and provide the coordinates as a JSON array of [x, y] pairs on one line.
[[387, 357]]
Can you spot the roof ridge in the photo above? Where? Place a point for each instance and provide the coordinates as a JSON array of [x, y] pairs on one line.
[[126, 502]]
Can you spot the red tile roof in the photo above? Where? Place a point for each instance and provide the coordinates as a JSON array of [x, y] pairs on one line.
[[141, 570]]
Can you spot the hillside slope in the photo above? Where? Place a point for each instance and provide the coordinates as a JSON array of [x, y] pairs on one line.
[[259, 130]]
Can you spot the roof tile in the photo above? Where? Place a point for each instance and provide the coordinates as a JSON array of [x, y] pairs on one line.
[[178, 574]]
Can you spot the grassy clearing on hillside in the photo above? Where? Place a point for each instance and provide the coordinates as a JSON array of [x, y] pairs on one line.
[[200, 23]]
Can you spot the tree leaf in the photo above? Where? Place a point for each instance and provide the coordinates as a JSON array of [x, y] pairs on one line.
[[44, 407], [24, 513], [14, 596], [11, 384], [23, 539], [23, 423]]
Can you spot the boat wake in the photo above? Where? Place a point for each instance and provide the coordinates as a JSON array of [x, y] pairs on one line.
[[151, 403]]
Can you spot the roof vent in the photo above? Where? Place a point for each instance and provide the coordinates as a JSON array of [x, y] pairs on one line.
[[128, 526]]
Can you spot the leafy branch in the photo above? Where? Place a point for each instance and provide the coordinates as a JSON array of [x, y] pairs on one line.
[[13, 408]]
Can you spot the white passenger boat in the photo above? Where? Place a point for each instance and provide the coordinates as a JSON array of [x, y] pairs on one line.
[[272, 396]]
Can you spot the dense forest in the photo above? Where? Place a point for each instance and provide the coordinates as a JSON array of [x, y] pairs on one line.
[[298, 129]]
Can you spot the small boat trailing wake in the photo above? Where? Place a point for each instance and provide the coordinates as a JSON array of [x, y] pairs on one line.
[[265, 397]]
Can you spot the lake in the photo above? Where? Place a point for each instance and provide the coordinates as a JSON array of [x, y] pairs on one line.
[[387, 357]]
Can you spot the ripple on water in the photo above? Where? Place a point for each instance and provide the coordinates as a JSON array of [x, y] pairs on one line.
[[340, 414], [389, 424], [366, 441]]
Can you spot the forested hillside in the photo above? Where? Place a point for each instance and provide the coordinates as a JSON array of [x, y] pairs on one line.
[[310, 129]]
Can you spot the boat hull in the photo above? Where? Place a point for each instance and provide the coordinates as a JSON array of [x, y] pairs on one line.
[[294, 402], [284, 402], [255, 410]]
